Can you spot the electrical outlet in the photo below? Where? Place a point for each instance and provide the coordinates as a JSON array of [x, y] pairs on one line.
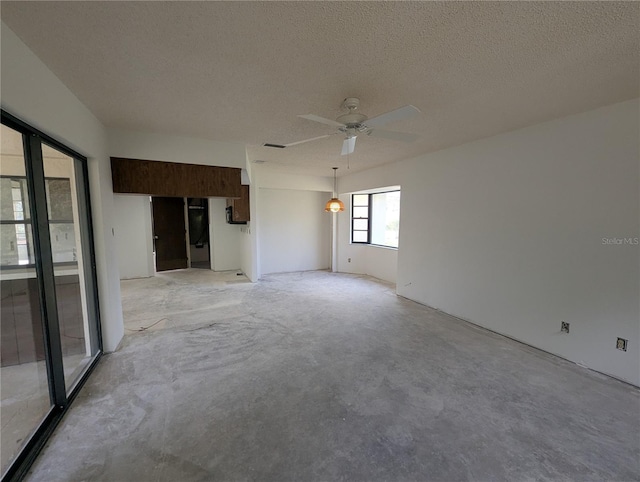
[[621, 344], [349, 260], [564, 327]]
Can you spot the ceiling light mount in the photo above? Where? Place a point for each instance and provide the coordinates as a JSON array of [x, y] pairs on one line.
[[352, 119], [351, 103]]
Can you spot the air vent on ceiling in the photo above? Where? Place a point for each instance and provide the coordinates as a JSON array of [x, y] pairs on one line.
[[277, 146]]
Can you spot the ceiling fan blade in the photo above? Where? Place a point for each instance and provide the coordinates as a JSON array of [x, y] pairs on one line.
[[322, 120], [402, 113], [348, 145], [307, 140], [393, 135]]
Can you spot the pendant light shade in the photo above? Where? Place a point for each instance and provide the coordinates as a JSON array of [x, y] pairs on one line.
[[334, 205]]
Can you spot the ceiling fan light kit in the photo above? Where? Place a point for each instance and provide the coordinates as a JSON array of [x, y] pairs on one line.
[[354, 122]]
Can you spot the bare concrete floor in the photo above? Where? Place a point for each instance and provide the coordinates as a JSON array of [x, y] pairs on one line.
[[319, 376], [24, 401], [180, 297]]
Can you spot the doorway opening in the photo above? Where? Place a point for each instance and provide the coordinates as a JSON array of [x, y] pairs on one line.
[[198, 209]]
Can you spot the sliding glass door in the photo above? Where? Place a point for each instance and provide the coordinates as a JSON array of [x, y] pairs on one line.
[[24, 381], [78, 338], [50, 334]]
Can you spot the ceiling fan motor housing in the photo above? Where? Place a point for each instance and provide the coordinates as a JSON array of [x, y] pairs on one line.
[[352, 119]]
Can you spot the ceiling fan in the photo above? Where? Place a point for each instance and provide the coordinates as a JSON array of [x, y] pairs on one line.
[[353, 123]]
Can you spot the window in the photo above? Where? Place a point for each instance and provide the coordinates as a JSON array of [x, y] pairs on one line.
[[375, 218], [15, 226], [17, 237]]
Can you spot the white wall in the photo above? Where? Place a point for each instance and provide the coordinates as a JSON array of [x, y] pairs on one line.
[[248, 243], [248, 264], [161, 147], [225, 238], [508, 231], [377, 261], [265, 177], [295, 232], [134, 236], [275, 179], [31, 92], [251, 254]]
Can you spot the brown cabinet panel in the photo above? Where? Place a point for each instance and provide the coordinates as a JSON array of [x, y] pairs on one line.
[[174, 179], [240, 207]]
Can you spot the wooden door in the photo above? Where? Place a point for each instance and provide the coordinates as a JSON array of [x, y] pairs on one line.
[[169, 233]]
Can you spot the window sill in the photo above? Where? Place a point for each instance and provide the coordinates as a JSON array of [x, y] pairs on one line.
[[374, 246]]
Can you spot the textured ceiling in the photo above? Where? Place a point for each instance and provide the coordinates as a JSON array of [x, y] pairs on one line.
[[242, 71]]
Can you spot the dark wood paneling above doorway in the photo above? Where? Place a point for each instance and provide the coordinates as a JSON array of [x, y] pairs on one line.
[[133, 176]]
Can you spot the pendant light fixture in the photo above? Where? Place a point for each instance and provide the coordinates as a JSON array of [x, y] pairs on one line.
[[334, 204]]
